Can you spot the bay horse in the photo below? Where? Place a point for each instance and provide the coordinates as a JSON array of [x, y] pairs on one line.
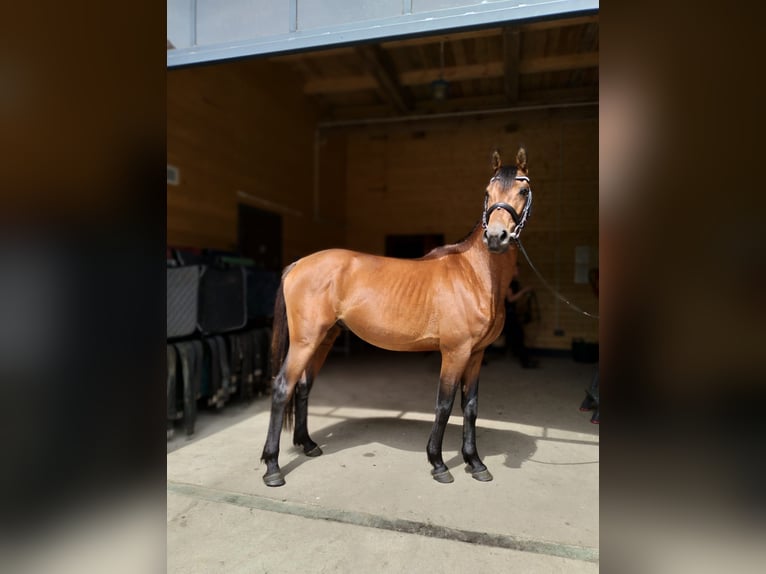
[[450, 300]]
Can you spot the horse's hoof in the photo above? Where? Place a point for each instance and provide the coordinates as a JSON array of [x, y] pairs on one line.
[[445, 476], [274, 479], [482, 475], [316, 451]]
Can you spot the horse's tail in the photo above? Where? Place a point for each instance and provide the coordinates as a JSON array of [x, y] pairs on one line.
[[280, 343]]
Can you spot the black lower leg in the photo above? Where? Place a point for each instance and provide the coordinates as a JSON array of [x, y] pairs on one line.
[[270, 455], [444, 401], [470, 404], [301, 434]]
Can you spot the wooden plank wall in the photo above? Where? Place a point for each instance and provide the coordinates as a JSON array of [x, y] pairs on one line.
[[243, 126], [430, 178]]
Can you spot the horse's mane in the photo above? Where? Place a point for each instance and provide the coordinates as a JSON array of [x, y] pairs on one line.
[[458, 247], [506, 175]]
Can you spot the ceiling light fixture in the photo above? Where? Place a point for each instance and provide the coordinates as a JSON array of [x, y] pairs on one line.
[[440, 87]]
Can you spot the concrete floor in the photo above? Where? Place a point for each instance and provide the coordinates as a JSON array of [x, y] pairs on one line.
[[369, 503]]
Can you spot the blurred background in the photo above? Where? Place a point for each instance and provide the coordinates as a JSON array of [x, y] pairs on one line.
[[86, 218]]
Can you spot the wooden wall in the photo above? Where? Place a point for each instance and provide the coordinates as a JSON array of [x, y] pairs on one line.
[[430, 178], [243, 126]]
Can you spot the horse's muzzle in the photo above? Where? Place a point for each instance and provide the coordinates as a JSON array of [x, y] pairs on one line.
[[497, 240]]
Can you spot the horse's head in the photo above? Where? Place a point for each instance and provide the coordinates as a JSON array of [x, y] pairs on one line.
[[507, 202]]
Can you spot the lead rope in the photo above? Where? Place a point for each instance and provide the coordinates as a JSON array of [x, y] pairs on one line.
[[551, 289]]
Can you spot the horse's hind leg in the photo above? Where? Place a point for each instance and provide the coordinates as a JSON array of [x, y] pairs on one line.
[[301, 434], [282, 389], [470, 404]]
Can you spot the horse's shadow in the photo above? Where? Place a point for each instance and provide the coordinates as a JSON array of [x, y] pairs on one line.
[[412, 436]]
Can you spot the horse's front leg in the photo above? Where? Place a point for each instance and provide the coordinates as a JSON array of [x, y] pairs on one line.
[[444, 400], [470, 404], [453, 364]]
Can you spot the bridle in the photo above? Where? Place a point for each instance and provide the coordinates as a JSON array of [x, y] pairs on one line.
[[519, 220]]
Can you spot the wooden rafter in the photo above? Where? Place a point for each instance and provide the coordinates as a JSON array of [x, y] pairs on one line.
[[559, 63], [552, 24], [461, 59], [511, 56], [457, 37], [379, 65], [587, 42], [435, 39], [452, 74], [499, 67], [460, 36], [467, 104], [329, 53], [330, 85]]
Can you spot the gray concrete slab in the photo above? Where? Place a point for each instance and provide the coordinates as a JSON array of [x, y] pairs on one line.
[[205, 537], [371, 414]]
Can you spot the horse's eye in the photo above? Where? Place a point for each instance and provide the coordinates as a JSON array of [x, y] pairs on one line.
[[524, 191]]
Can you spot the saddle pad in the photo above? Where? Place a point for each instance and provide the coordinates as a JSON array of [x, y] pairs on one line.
[[182, 300], [262, 289], [222, 302]]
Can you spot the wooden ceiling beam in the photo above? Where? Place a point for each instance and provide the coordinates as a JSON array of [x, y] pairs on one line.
[[511, 55], [329, 53], [588, 42], [456, 37], [561, 95], [477, 103], [379, 65], [485, 33], [550, 24], [461, 59], [454, 74], [498, 69], [559, 63]]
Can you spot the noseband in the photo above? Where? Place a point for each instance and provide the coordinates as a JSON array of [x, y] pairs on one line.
[[519, 220]]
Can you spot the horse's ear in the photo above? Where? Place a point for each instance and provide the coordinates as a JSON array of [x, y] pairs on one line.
[[521, 160], [496, 160]]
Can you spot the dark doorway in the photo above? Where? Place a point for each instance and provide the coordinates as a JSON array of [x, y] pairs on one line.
[[412, 246], [260, 237]]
